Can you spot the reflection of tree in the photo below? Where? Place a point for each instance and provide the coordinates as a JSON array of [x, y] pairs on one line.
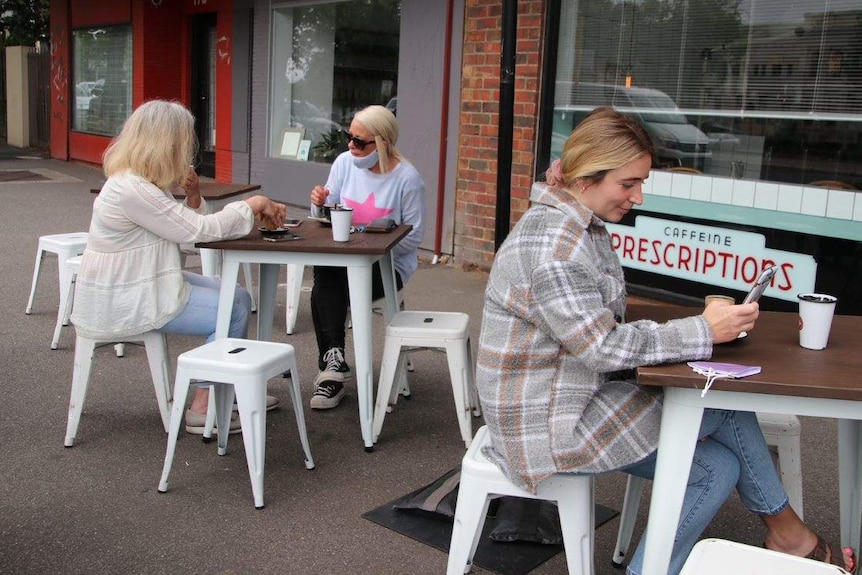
[[23, 22]]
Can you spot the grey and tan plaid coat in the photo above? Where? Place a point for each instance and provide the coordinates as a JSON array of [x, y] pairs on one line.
[[555, 354]]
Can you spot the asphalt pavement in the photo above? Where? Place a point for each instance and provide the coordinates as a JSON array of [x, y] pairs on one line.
[[94, 508]]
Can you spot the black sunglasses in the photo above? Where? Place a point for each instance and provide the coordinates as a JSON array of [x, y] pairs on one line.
[[357, 142]]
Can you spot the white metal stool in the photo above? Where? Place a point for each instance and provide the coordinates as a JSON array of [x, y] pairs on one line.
[[482, 480], [241, 367], [780, 431], [411, 330], [72, 266], [721, 557], [157, 355], [64, 246]]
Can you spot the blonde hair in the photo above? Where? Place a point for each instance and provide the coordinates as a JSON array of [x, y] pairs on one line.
[[603, 141], [384, 127], [157, 142]]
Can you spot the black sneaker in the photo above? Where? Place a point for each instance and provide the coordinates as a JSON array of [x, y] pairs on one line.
[[327, 395], [333, 367]]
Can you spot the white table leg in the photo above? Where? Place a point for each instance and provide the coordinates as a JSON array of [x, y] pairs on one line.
[[266, 300], [679, 427], [359, 280], [230, 273], [850, 482]]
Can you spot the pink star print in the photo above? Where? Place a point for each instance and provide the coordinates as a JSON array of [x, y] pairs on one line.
[[366, 211]]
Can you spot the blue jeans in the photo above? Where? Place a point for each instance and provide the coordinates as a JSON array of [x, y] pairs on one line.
[[731, 453], [200, 314]]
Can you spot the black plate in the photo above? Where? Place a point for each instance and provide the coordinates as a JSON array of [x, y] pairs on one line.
[[276, 233]]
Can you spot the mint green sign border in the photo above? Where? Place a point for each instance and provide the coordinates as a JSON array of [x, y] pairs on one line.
[[773, 219]]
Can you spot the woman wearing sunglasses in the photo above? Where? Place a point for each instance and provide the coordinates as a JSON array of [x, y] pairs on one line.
[[374, 179]]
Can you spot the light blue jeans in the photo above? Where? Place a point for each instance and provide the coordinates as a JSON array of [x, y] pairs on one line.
[[200, 314], [731, 453]]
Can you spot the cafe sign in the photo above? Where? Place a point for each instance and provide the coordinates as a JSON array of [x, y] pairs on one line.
[[710, 255]]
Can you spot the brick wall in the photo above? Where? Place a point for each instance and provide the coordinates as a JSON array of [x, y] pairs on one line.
[[476, 186]]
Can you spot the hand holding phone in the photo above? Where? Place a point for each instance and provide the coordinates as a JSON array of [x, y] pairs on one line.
[[760, 285]]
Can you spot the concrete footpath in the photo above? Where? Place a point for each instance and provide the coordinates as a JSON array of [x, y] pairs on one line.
[[95, 509]]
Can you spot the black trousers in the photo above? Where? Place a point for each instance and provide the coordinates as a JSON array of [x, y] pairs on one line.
[[330, 298]]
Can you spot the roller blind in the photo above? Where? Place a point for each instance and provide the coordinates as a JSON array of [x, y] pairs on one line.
[[768, 58]]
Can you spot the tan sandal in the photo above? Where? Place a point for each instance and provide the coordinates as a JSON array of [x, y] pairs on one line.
[[824, 553]]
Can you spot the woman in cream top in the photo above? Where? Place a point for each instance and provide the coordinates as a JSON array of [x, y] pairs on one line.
[[130, 280]]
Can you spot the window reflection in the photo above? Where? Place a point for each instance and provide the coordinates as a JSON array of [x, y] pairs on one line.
[[760, 89], [329, 60], [102, 72]]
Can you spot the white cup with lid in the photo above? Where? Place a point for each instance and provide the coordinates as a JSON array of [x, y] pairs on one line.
[[815, 319]]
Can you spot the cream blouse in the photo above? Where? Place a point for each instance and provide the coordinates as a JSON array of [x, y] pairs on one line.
[[130, 280]]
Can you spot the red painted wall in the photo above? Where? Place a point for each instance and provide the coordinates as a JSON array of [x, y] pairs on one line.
[[160, 67], [60, 90]]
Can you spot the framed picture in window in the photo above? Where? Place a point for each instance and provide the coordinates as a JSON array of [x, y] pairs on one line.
[[290, 142]]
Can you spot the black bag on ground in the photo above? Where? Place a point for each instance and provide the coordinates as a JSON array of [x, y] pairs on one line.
[[533, 520], [438, 497]]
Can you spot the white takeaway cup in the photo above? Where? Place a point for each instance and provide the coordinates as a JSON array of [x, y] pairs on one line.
[[342, 219], [815, 319]]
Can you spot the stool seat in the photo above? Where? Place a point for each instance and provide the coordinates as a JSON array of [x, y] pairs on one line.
[[429, 325], [64, 246], [481, 480], [721, 557], [411, 330], [240, 368]]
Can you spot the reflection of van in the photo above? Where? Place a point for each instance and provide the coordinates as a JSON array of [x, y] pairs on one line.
[[677, 143]]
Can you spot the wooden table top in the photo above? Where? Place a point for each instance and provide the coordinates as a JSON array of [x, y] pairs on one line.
[[773, 344], [317, 238]]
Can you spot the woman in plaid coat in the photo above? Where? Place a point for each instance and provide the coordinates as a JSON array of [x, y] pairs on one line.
[[555, 353]]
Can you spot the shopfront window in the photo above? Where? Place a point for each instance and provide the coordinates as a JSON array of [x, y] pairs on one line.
[[329, 60], [102, 72], [754, 89]]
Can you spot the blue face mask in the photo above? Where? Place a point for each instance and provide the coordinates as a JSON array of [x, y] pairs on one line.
[[366, 162]]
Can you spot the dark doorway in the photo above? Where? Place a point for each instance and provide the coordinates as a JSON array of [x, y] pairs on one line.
[[203, 90]]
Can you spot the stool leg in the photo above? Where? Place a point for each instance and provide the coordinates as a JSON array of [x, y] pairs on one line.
[[470, 511], [577, 519], [81, 371], [390, 366], [223, 396], [36, 270], [251, 404], [157, 356], [628, 515], [210, 421], [294, 290], [299, 413], [64, 311], [460, 374], [474, 393], [63, 278], [181, 392]]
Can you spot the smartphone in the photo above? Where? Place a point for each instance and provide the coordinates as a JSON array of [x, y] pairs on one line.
[[284, 238], [291, 223], [760, 285]]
